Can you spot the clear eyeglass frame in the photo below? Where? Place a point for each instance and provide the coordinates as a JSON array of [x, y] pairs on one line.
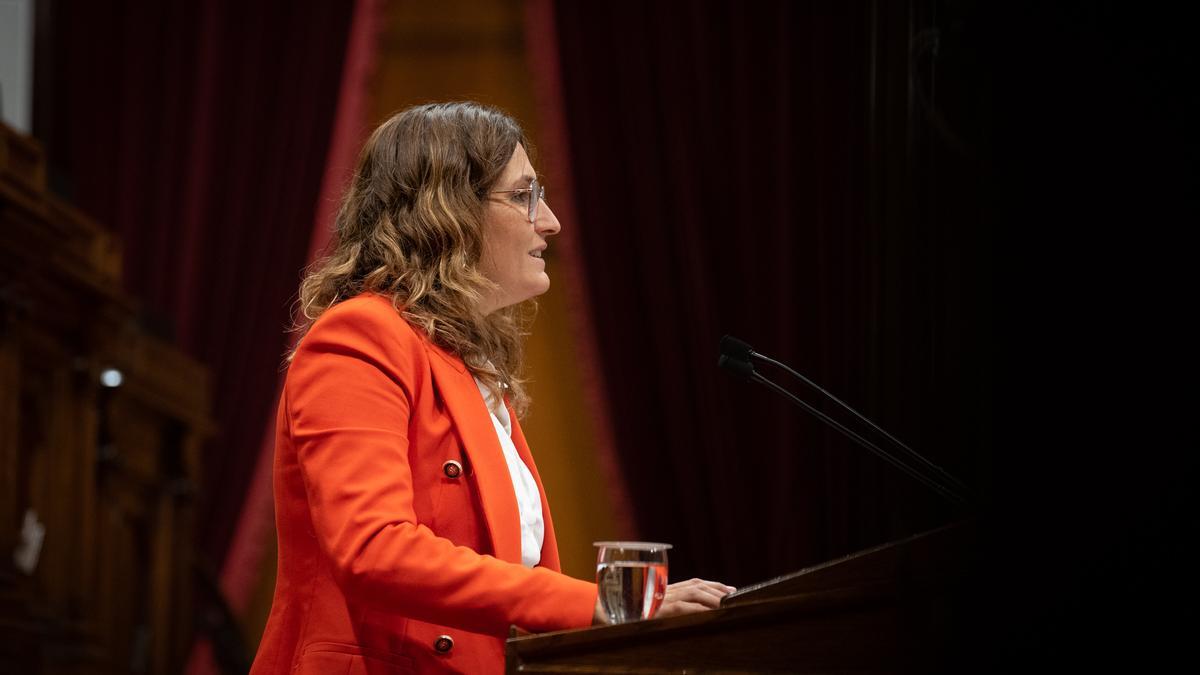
[[535, 189]]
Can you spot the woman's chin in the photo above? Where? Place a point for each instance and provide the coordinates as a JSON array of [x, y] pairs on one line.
[[539, 285], [535, 287]]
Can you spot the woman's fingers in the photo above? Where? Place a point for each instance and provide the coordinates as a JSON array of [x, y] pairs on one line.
[[678, 609], [714, 588], [696, 594], [693, 595]]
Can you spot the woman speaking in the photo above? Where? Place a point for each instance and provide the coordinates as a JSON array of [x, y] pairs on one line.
[[413, 527]]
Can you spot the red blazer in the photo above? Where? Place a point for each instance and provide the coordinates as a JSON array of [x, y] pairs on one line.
[[390, 561]]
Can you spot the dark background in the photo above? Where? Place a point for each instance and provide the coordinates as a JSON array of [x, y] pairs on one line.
[[1095, 186]]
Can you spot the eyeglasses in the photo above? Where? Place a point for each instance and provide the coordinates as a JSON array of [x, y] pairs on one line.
[[525, 196]]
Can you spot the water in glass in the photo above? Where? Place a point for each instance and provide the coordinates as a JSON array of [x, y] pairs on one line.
[[632, 579]]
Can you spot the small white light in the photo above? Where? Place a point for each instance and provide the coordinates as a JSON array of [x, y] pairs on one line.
[[111, 377]]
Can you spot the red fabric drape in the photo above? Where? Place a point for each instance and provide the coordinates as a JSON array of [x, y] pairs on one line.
[[763, 169], [255, 525], [198, 132]]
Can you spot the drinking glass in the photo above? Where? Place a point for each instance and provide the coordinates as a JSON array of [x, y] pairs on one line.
[[632, 576]]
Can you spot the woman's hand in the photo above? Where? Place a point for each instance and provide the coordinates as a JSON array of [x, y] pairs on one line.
[[691, 596], [684, 597]]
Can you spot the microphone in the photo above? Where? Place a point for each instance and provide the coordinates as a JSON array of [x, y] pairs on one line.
[[740, 369], [735, 348], [736, 358]]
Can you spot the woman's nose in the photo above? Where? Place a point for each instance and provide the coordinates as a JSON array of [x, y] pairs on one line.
[[547, 223]]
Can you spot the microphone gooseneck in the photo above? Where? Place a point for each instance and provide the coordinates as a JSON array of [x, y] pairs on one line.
[[736, 358]]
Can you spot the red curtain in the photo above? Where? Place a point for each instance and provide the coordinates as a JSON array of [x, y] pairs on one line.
[[198, 132], [243, 564], [763, 169]]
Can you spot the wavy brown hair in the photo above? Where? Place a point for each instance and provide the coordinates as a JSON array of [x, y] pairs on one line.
[[411, 227]]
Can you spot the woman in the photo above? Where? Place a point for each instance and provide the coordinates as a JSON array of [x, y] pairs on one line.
[[413, 528]]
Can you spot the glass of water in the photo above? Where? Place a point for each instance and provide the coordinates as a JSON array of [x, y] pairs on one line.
[[632, 576]]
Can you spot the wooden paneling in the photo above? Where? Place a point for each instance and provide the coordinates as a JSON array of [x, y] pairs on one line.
[[110, 472]]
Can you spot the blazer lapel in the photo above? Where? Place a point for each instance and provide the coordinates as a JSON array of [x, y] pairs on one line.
[[478, 436]]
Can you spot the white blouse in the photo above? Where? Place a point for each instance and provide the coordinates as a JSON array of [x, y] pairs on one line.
[[529, 500]]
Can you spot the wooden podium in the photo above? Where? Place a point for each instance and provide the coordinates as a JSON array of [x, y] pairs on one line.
[[893, 608]]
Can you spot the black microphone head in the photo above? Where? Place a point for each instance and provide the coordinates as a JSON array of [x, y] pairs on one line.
[[736, 349], [741, 369]]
